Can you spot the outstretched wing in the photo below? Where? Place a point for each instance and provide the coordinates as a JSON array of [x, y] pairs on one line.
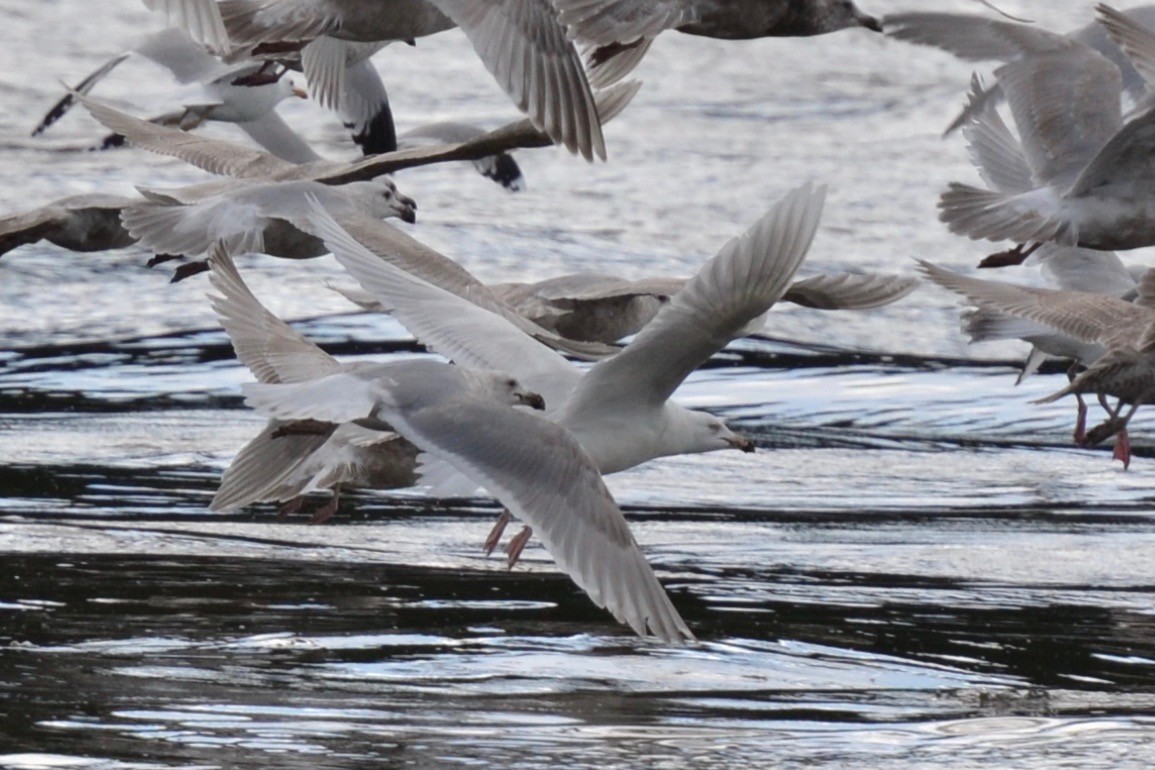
[[734, 289]]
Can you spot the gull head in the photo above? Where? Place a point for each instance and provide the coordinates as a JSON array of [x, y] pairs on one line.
[[384, 201], [504, 389], [289, 88], [832, 15], [713, 434]]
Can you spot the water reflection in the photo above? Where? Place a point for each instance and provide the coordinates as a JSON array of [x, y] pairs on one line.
[[224, 661]]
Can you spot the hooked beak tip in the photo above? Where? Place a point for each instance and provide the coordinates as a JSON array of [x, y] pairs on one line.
[[409, 215], [873, 24], [532, 400], [743, 443], [300, 93]]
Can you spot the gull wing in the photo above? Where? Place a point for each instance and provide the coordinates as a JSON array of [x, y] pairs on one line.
[[58, 110], [971, 37], [268, 346], [275, 135], [525, 48], [342, 78], [1134, 38], [520, 133], [200, 18], [849, 291], [605, 22], [993, 149], [1087, 317], [1066, 105], [386, 243], [542, 475], [221, 157], [188, 61], [213, 155], [584, 287], [1128, 158], [357, 392], [85, 222], [265, 466], [464, 325], [1078, 269], [737, 286]]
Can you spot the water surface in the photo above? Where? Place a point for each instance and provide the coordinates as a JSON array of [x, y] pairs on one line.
[[916, 569]]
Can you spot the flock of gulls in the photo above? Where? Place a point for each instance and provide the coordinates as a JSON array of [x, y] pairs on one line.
[[503, 406]]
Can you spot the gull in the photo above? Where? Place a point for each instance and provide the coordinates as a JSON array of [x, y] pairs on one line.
[[1106, 333], [1002, 163], [87, 222], [288, 460], [605, 308], [1065, 268], [534, 467], [252, 109], [253, 217], [281, 466], [618, 33], [976, 38], [1093, 170], [620, 409], [521, 43], [341, 76], [229, 159], [275, 218], [264, 183]]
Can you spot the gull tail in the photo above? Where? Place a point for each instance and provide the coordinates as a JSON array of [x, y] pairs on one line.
[[251, 22], [259, 470], [168, 228], [998, 216]]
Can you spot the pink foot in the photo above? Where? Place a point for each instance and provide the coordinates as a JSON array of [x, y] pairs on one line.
[[517, 545], [1122, 449], [498, 529]]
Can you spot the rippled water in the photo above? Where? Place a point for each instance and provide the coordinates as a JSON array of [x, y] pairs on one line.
[[916, 569]]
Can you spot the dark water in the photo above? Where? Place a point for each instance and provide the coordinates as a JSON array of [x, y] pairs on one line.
[[916, 569], [902, 579]]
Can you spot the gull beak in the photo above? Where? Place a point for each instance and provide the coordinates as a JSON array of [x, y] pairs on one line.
[[300, 93], [408, 212], [871, 23], [741, 442], [532, 400]]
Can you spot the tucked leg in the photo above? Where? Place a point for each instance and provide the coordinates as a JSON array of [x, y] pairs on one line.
[[189, 269], [291, 507], [517, 545], [161, 258], [326, 511], [498, 529], [1015, 256]]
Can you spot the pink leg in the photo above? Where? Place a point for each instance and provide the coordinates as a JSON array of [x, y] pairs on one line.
[[1081, 421], [517, 545], [497, 531], [1122, 449], [326, 511]]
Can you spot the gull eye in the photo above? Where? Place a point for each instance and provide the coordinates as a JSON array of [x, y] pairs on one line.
[[388, 194], [715, 427], [511, 383]]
